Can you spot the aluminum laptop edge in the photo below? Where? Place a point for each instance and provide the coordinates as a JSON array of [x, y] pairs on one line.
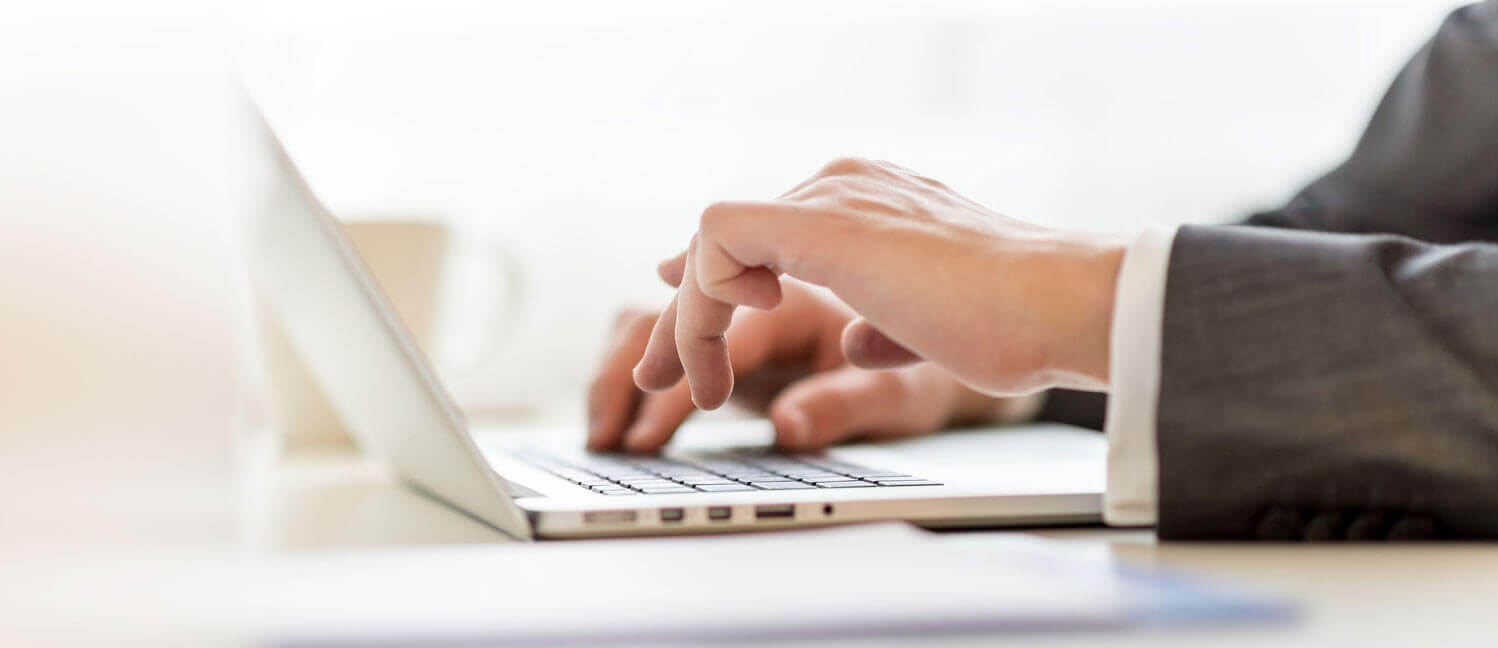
[[388, 395]]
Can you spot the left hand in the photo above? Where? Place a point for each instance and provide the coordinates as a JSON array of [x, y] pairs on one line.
[[788, 364], [1006, 307]]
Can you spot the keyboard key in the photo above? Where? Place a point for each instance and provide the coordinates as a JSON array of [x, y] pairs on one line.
[[844, 484], [654, 481], [718, 466], [731, 471], [776, 468], [662, 490], [828, 464], [780, 485], [724, 488]]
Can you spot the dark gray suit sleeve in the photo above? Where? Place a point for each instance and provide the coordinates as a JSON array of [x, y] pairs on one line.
[[1325, 386], [1322, 386], [1424, 168]]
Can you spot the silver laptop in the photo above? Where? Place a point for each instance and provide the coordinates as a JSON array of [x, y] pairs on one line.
[[386, 392]]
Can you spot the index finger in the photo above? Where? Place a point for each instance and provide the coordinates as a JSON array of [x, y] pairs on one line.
[[700, 324], [735, 260]]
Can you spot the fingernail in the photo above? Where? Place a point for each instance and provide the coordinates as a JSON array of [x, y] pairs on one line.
[[694, 390]]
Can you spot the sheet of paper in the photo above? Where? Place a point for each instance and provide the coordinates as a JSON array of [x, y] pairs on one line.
[[865, 580]]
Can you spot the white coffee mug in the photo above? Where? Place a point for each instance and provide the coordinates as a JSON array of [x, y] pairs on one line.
[[459, 296]]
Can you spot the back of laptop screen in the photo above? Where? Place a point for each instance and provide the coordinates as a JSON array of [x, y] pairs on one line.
[[344, 329]]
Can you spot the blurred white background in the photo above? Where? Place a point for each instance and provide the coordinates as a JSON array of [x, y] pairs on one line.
[[591, 134]]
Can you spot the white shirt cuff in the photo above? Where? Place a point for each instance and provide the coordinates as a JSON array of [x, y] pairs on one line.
[[1132, 498]]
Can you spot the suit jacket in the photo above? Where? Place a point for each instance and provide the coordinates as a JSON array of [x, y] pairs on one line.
[[1330, 370]]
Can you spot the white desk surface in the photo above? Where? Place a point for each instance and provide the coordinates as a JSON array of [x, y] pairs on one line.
[[1435, 594]]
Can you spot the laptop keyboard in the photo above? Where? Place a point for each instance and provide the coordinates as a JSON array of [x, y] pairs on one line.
[[633, 475]]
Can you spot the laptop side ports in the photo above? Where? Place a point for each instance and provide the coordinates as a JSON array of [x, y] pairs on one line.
[[609, 517], [774, 511]]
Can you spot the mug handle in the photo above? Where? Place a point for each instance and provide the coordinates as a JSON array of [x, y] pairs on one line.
[[508, 273]]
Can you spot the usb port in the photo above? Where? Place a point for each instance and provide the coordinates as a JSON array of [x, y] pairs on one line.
[[608, 517], [719, 513], [774, 511], [672, 515]]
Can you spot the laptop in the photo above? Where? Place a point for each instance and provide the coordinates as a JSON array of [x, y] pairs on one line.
[[387, 394]]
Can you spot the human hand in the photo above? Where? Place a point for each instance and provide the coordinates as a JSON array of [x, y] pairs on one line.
[[788, 364], [1005, 306]]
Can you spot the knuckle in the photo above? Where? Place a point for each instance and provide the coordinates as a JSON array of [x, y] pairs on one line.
[[713, 289], [890, 384], [846, 166], [862, 204], [796, 255], [714, 216], [895, 170], [832, 408], [699, 346], [824, 185], [932, 182]]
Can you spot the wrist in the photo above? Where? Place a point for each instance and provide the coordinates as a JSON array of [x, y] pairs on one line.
[[1085, 269]]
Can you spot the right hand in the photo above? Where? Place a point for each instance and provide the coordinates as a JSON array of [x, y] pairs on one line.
[[1009, 308], [788, 363]]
